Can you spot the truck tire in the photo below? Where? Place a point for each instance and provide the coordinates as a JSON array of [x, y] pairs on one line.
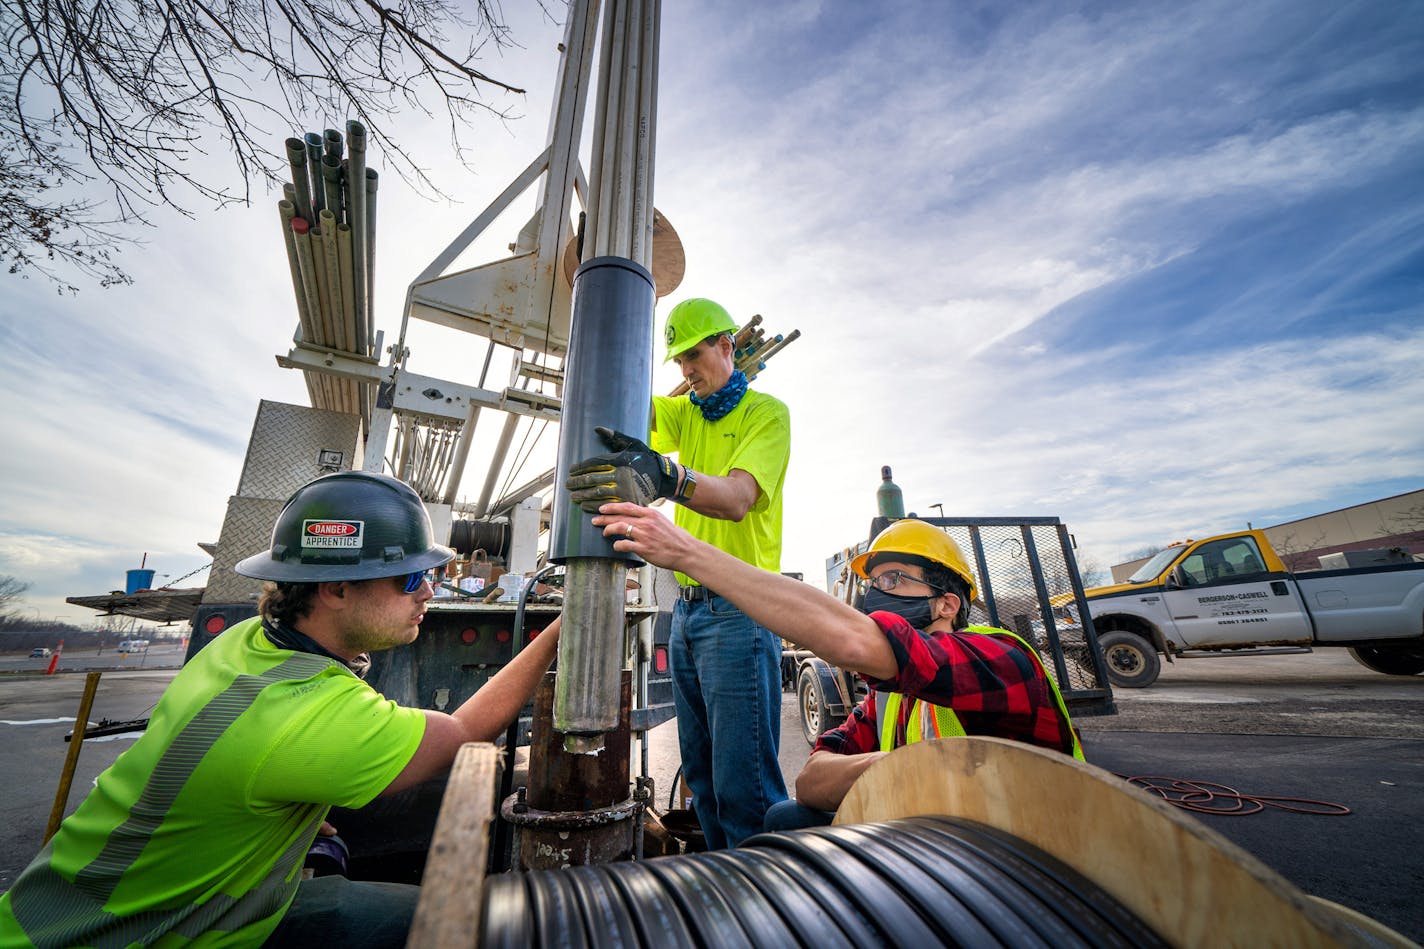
[[1131, 660], [815, 720], [1392, 661]]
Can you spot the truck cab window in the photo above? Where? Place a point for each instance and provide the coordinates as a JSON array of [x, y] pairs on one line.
[[1194, 567], [1223, 560]]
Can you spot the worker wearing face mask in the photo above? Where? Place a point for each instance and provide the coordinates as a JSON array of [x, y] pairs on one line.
[[932, 675]]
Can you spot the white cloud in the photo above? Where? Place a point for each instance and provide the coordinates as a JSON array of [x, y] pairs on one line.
[[918, 195]]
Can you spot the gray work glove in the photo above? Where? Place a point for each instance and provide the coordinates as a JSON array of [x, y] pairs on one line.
[[631, 471]]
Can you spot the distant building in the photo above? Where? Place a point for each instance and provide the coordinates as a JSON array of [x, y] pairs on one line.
[[1389, 522]]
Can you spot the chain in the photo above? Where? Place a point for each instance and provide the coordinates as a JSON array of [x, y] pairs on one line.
[[169, 585]]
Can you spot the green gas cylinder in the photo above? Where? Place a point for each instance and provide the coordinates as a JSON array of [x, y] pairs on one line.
[[888, 498]]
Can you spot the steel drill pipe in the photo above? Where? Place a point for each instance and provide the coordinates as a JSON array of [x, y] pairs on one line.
[[367, 331], [745, 332], [781, 343], [343, 261], [608, 382], [288, 211], [318, 189], [331, 185], [356, 199], [306, 262], [590, 662], [335, 289], [329, 317], [297, 160]]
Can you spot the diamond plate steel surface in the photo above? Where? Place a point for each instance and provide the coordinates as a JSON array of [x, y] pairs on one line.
[[287, 445], [246, 530]]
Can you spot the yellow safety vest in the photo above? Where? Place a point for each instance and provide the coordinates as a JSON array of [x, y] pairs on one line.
[[934, 721]]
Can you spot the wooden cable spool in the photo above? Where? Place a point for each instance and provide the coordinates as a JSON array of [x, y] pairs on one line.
[[668, 266], [1183, 879], [1024, 847]]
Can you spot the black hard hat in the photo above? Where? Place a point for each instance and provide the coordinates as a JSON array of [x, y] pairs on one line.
[[351, 525]]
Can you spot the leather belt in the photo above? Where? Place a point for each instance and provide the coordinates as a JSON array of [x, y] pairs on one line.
[[693, 594]]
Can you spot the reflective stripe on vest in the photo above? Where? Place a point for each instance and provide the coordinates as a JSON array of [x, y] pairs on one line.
[[49, 909], [941, 722]]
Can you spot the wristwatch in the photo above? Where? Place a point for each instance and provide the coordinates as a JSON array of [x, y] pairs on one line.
[[686, 489]]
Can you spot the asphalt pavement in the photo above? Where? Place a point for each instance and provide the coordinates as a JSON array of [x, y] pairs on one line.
[[1314, 726]]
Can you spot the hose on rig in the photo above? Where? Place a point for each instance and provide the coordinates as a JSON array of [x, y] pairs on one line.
[[921, 881]]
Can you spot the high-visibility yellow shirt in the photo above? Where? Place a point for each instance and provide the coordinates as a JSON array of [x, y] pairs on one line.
[[755, 437], [197, 833]]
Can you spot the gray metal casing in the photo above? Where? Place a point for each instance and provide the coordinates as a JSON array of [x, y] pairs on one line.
[[607, 382]]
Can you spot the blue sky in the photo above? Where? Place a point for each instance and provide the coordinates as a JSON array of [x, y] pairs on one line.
[[1153, 268]]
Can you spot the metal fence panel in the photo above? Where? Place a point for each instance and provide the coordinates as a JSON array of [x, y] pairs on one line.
[[1028, 583]]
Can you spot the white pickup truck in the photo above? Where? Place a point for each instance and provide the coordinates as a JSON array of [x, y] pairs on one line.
[[1232, 593]]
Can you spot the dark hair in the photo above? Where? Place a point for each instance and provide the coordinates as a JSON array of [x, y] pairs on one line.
[[951, 582], [285, 603], [938, 576]]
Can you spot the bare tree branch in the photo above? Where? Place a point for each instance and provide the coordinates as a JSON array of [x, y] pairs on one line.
[[10, 591], [123, 94]]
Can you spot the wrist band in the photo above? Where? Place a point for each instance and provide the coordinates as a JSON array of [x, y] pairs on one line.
[[686, 489]]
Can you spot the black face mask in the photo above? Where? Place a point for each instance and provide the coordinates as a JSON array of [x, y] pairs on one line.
[[918, 611]]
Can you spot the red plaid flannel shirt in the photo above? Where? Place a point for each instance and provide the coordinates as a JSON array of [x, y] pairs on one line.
[[988, 680]]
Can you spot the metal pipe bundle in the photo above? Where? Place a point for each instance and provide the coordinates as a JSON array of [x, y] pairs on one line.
[[620, 206], [331, 252], [751, 350]]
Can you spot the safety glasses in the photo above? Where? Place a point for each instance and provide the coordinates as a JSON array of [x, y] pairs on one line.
[[891, 579], [413, 582]]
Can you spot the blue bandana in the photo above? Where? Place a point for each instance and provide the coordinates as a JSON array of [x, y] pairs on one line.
[[725, 399]]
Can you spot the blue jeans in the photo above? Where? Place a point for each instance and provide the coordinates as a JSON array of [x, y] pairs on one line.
[[793, 815], [726, 687], [335, 911]]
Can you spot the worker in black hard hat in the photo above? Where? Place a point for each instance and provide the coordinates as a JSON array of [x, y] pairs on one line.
[[198, 832]]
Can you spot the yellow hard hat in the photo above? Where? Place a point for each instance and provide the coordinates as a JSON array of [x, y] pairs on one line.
[[692, 321], [922, 541]]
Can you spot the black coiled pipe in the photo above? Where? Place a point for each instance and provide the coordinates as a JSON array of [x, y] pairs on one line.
[[492, 537], [916, 882]]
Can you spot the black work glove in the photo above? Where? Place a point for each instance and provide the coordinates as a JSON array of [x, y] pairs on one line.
[[630, 472]]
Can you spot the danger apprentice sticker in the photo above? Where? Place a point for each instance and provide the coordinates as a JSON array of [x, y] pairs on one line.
[[332, 533]]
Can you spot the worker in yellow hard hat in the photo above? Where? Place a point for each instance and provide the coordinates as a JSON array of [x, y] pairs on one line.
[[932, 674], [732, 445]]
